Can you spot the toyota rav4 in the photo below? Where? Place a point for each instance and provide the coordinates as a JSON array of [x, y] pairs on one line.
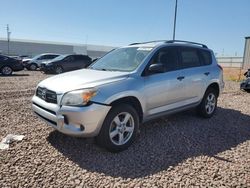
[[129, 86]]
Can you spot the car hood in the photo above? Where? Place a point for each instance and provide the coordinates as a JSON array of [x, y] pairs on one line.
[[47, 62], [80, 79]]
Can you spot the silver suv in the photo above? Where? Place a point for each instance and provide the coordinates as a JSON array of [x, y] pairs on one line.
[[129, 86]]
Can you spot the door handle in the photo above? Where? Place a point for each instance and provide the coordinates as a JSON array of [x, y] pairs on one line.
[[180, 78], [207, 73]]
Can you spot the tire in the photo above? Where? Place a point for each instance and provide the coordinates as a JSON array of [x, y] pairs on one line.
[[208, 105], [116, 135], [247, 90], [58, 70], [33, 66], [6, 70]]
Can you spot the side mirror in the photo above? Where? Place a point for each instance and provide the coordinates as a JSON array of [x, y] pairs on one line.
[[156, 68]]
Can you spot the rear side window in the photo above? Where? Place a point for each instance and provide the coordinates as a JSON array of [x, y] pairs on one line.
[[190, 58], [86, 58], [81, 57], [206, 58], [70, 58], [46, 57], [52, 56]]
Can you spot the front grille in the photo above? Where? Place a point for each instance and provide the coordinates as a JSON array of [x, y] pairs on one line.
[[50, 111], [46, 95]]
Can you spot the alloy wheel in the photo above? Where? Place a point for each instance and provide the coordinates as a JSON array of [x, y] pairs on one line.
[[59, 70], [121, 128], [210, 103], [6, 70], [33, 67]]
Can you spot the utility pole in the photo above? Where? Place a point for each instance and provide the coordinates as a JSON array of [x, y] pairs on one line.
[[176, 2], [8, 38]]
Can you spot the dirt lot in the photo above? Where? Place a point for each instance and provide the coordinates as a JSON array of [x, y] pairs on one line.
[[234, 74], [181, 150]]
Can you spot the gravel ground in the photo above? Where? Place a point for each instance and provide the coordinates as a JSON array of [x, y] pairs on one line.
[[182, 150]]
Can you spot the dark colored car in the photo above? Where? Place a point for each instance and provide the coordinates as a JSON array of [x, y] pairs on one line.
[[64, 63], [245, 84], [9, 64]]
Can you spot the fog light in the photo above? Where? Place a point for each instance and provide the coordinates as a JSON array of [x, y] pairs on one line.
[[66, 121]]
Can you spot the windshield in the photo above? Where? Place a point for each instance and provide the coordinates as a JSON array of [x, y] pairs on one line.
[[122, 59], [60, 57], [36, 57]]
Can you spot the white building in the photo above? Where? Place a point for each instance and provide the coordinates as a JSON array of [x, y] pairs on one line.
[[246, 60], [32, 48]]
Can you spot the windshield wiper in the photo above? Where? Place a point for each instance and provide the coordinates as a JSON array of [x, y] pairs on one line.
[[103, 69]]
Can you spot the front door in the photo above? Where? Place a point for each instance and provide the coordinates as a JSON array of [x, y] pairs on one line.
[[164, 91]]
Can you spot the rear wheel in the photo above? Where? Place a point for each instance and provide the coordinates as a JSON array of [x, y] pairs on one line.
[[59, 70], [208, 104], [119, 129], [6, 70]]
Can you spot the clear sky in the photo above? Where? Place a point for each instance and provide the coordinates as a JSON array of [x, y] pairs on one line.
[[221, 24]]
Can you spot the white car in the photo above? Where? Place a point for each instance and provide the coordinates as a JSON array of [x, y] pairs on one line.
[[36, 62]]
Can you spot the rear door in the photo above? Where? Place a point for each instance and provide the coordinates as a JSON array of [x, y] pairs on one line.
[[195, 64], [79, 62], [164, 91], [85, 61], [68, 63]]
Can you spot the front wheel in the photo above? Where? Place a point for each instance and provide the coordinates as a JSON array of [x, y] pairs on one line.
[[119, 129], [59, 70], [6, 70], [33, 67], [208, 104]]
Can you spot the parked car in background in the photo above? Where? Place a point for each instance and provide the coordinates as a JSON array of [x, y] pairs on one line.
[[15, 57], [9, 64], [24, 56], [245, 84], [129, 86], [64, 63], [36, 62]]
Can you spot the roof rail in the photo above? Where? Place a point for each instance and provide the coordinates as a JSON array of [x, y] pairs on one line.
[[147, 42], [183, 41]]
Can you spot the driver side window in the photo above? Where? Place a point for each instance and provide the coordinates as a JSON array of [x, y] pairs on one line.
[[168, 57]]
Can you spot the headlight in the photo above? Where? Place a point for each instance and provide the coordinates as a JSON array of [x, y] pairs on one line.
[[78, 97]]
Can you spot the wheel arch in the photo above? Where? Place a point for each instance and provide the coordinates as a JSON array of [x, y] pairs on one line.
[[215, 86], [130, 100]]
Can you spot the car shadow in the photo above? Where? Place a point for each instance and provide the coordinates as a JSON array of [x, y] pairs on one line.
[[161, 144], [15, 75]]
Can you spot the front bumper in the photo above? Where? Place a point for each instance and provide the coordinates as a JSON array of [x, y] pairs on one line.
[[73, 121], [46, 68], [17, 67]]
